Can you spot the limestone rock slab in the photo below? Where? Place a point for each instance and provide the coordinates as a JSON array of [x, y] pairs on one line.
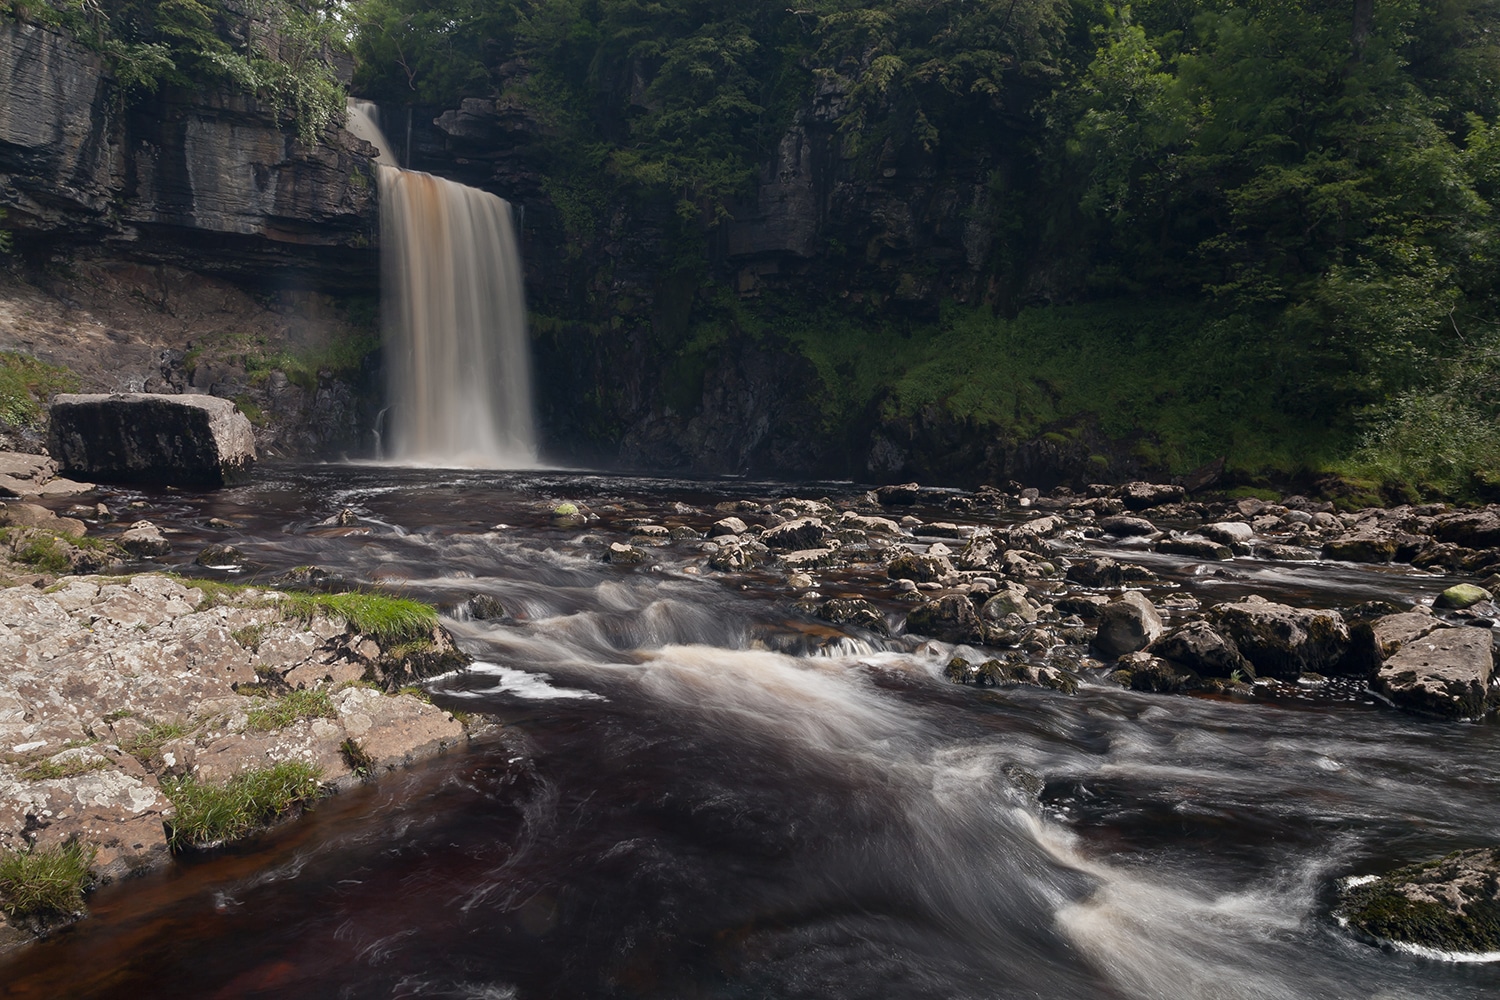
[[186, 440]]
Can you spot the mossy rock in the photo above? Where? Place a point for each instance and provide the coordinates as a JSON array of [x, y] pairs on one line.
[[1449, 904]]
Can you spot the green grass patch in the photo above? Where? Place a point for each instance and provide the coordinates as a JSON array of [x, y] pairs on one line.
[[213, 814], [46, 881], [70, 767], [25, 384], [384, 619], [147, 745], [312, 703]]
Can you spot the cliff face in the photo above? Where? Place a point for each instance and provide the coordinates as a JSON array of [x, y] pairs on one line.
[[207, 181]]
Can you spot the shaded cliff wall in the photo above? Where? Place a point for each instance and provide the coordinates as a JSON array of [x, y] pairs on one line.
[[205, 180], [187, 243]]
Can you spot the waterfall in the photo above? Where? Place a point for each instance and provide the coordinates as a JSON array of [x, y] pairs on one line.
[[453, 319]]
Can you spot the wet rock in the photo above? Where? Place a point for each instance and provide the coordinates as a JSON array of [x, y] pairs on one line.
[[1100, 572], [728, 526], [144, 540], [1235, 534], [1125, 526], [481, 608], [1200, 648], [1461, 596], [1140, 496], [1009, 598], [186, 440], [801, 533], [1196, 548], [804, 559], [1282, 641], [1140, 671], [1445, 672], [30, 515], [853, 611], [903, 495], [1279, 552], [621, 554], [950, 619], [1478, 529], [872, 525], [220, 556], [918, 568], [1125, 626], [1451, 904], [1362, 547], [1086, 606], [312, 578]]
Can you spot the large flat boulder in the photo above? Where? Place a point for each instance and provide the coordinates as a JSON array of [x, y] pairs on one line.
[[1284, 641], [1445, 672], [137, 437]]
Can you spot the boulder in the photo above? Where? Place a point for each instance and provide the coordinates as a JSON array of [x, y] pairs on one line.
[[1235, 534], [1125, 626], [621, 554], [1125, 526], [1451, 904], [1100, 572], [1478, 529], [728, 526], [921, 569], [1283, 641], [951, 619], [1196, 548], [187, 440], [802, 533], [853, 611], [1140, 496], [903, 495], [1361, 547], [1444, 673], [1460, 596], [1011, 598], [144, 539], [1140, 671], [1198, 647]]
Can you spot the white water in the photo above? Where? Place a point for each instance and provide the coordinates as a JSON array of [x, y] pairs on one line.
[[453, 318]]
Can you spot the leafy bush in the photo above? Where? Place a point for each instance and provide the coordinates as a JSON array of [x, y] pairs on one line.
[[45, 881], [213, 814]]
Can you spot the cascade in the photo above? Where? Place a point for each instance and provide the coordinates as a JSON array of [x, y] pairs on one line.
[[453, 319]]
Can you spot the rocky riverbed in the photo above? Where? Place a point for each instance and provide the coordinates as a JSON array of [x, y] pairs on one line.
[[128, 683]]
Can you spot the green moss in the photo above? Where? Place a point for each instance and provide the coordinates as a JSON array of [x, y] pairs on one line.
[[1384, 911], [213, 814], [311, 703], [46, 881], [250, 409], [25, 384], [147, 745]]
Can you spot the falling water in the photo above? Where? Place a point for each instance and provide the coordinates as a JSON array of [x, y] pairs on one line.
[[453, 317]]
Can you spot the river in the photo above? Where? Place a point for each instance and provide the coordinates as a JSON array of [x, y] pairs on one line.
[[699, 792]]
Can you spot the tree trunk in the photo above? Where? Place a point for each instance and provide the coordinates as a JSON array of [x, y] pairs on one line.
[[1359, 33]]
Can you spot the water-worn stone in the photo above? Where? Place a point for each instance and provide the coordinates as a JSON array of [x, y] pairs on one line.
[[1196, 548], [144, 539], [728, 526], [801, 533], [1460, 596], [185, 440], [1126, 526], [1283, 641], [1100, 572], [1140, 496], [1445, 673], [1200, 648], [1126, 625], [1451, 904], [853, 611], [1010, 598], [1363, 547], [1235, 534], [920, 568], [951, 619], [621, 554]]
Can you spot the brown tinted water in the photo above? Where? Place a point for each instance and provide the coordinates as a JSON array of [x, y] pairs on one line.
[[677, 809]]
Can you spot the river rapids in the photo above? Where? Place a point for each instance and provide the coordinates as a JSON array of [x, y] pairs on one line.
[[698, 792]]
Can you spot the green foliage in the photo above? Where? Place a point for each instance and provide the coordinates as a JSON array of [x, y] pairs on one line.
[[48, 881], [384, 619], [68, 767], [314, 703], [205, 815], [25, 384], [147, 745]]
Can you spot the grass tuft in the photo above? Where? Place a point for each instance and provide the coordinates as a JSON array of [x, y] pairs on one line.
[[69, 767], [301, 704], [213, 814], [384, 619], [46, 881], [25, 383]]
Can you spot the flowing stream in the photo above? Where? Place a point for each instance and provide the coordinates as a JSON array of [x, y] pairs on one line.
[[700, 792]]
